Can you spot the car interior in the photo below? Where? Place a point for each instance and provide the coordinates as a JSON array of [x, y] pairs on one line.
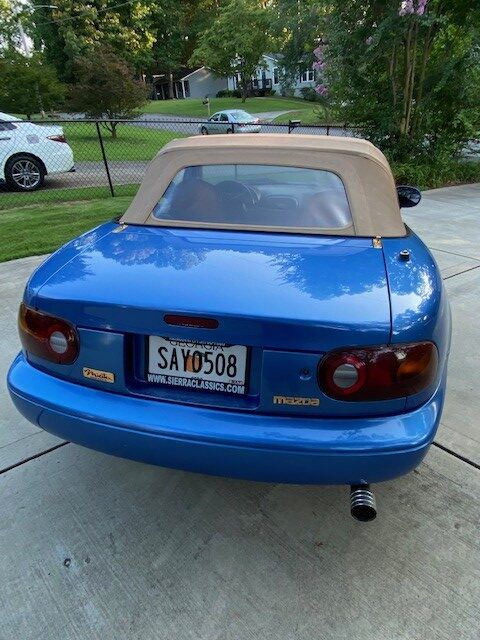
[[291, 198]]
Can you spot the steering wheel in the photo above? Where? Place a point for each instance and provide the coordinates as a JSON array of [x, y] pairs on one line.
[[237, 193]]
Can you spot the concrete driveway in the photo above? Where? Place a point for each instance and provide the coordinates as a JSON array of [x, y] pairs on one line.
[[97, 547]]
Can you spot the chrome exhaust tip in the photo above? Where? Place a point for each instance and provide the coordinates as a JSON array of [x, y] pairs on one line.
[[362, 503]]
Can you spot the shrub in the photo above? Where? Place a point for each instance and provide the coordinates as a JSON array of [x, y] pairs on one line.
[[309, 93], [432, 175], [287, 92], [229, 93], [266, 92]]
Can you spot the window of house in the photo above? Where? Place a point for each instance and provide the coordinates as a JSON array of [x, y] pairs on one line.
[[307, 76], [275, 75]]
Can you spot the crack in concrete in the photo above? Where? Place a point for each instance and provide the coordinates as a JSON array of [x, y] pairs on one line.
[[453, 275]]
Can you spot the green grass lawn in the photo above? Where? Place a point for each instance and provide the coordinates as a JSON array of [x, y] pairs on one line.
[[132, 143], [310, 115], [48, 197], [194, 107], [35, 230]]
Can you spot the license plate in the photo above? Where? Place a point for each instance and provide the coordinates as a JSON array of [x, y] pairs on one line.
[[203, 366]]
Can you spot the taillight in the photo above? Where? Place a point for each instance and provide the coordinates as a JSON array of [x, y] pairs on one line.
[[58, 138], [46, 336], [378, 373]]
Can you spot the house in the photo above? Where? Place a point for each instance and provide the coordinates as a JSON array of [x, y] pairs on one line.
[[188, 83], [269, 76], [202, 81]]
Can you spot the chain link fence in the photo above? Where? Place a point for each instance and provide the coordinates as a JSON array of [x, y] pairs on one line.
[[74, 160]]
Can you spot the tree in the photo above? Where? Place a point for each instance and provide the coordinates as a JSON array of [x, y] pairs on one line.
[[11, 11], [408, 72], [106, 88], [297, 26], [28, 85], [234, 43], [76, 28]]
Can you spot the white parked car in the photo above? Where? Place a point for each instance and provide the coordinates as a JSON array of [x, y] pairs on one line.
[[230, 121], [28, 152]]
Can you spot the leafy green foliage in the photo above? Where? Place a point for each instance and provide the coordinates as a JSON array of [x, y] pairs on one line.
[[409, 76], [151, 35], [434, 174], [235, 42], [76, 28], [28, 85], [106, 88], [296, 27], [11, 11]]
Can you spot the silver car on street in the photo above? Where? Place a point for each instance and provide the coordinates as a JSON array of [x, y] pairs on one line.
[[230, 121]]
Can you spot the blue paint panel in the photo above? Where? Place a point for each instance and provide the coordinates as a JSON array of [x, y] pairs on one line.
[[62, 256], [268, 290], [231, 443], [420, 307], [288, 298]]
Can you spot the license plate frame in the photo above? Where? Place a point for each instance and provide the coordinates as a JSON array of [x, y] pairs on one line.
[[181, 371]]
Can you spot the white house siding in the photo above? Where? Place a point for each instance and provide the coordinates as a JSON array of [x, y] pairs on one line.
[[203, 83], [270, 64]]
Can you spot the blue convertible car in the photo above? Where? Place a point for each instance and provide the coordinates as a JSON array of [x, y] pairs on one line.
[[260, 311]]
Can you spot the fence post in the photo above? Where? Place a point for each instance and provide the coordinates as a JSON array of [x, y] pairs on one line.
[[105, 161]]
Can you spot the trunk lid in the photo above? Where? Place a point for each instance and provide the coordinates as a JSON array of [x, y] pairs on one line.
[[310, 293]]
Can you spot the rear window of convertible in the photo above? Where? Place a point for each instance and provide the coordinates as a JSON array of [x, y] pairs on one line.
[[247, 194]]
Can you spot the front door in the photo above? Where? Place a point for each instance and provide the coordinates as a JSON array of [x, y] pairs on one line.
[[225, 123]]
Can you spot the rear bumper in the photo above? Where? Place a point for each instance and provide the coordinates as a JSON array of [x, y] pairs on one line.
[[60, 159], [226, 443]]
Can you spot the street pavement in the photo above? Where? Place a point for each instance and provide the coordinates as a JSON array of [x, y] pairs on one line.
[[95, 547]]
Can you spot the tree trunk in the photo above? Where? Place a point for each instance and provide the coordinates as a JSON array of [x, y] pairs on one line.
[[421, 81], [406, 79], [170, 85], [244, 86], [114, 130], [412, 82], [392, 71]]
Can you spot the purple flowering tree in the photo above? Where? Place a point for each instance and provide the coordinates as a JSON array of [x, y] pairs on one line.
[[319, 66]]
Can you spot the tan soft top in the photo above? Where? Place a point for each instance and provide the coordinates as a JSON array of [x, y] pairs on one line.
[[363, 168]]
